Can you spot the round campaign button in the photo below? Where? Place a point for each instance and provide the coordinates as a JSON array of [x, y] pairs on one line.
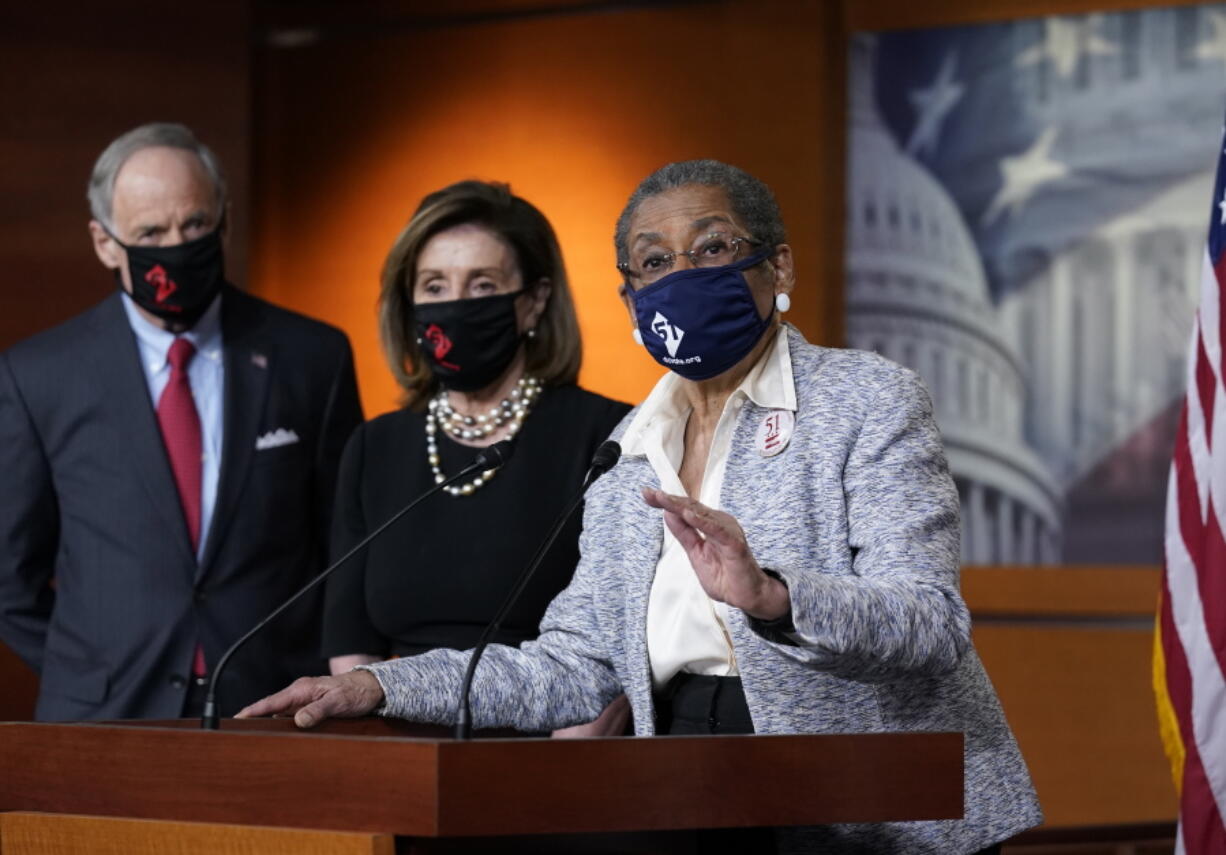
[[775, 432]]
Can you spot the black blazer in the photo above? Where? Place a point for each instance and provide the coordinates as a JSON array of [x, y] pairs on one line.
[[99, 589]]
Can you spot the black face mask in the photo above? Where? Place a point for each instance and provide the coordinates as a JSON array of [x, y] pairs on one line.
[[469, 343], [176, 283]]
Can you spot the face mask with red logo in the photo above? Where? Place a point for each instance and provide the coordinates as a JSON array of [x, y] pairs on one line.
[[469, 343], [176, 283]]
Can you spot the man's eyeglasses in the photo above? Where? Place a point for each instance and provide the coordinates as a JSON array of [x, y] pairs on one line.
[[714, 249]]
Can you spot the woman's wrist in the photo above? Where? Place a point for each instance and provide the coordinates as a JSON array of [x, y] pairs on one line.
[[773, 602], [349, 661]]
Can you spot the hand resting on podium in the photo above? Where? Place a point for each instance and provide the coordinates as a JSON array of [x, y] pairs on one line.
[[310, 700]]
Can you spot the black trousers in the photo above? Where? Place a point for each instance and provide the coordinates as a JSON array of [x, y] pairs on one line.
[[698, 704]]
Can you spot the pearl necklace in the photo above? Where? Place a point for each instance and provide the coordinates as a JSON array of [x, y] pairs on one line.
[[510, 409], [509, 412]]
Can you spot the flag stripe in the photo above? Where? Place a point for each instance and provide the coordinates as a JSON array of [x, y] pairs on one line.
[[1195, 682], [1212, 584], [1186, 493], [1193, 424], [1210, 308], [1206, 386], [1199, 816]]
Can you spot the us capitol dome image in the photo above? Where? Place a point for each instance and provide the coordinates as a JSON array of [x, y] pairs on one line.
[[1057, 400], [917, 294]]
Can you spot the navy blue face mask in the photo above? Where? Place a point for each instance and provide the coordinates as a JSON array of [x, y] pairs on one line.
[[701, 322]]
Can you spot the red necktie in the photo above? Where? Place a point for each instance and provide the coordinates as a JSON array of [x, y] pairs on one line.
[[180, 424]]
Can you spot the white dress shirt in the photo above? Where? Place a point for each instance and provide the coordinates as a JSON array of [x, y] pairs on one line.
[[207, 374], [686, 629]]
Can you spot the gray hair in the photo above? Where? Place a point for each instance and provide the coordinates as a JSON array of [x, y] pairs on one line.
[[752, 201], [155, 134]]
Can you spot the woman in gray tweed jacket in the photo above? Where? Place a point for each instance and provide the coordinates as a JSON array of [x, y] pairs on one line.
[[803, 574]]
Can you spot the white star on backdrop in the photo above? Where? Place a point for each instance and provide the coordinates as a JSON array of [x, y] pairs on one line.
[[1215, 48], [1062, 44], [1221, 206], [1023, 175], [933, 104]]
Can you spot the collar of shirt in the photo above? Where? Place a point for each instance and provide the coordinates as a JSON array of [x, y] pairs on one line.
[[155, 342], [768, 384]]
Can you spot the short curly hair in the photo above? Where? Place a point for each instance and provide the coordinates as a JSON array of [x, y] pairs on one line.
[[752, 201]]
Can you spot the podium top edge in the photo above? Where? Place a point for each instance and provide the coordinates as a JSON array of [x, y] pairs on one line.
[[374, 728]]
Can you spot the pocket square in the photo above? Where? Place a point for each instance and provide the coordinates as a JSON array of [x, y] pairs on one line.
[[275, 439]]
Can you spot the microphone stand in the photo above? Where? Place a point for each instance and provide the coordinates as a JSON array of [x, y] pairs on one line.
[[606, 456], [491, 457]]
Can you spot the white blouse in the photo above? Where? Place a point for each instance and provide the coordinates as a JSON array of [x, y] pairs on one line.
[[686, 629]]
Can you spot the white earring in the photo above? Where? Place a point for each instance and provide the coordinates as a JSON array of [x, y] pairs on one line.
[[783, 302], [532, 333], [637, 336]]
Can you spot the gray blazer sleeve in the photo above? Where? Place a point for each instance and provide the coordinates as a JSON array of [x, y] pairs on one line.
[[899, 612]]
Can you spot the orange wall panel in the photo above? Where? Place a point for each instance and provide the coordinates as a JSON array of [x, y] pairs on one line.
[[1069, 651], [1080, 704]]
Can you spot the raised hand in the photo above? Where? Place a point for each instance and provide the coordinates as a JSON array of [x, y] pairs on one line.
[[312, 699], [716, 546]]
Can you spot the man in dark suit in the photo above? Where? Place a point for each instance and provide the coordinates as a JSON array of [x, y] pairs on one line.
[[168, 460]]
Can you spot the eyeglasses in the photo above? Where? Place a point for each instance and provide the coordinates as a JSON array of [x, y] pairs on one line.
[[714, 249]]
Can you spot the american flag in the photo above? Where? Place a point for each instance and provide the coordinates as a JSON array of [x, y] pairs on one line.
[[1190, 651]]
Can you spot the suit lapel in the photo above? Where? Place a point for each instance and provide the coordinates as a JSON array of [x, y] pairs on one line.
[[119, 372], [247, 364]]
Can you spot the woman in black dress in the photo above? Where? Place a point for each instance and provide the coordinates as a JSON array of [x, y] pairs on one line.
[[479, 328]]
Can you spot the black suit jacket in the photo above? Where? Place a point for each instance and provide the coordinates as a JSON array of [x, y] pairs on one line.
[[99, 589]]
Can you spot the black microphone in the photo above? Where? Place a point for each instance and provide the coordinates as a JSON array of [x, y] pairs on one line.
[[602, 461], [490, 457]]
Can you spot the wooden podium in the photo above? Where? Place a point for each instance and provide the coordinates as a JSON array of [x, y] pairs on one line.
[[368, 781]]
